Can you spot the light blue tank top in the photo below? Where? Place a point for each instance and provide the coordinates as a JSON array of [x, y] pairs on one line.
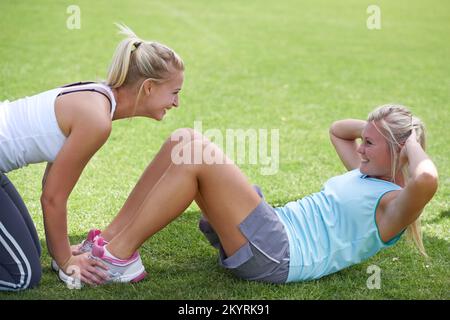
[[334, 228]]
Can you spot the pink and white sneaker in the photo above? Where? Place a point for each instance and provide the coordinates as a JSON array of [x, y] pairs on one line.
[[73, 281], [128, 270], [88, 243], [85, 246]]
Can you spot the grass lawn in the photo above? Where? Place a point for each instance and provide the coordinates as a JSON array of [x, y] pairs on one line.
[[290, 65]]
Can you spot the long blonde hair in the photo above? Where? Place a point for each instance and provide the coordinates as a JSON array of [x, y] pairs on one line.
[[395, 123], [135, 59]]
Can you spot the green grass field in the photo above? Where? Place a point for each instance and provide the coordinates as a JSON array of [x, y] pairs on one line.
[[290, 65]]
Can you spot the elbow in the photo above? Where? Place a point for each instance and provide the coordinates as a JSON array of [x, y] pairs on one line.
[[46, 202], [332, 128], [332, 132], [428, 181], [50, 201], [426, 176]]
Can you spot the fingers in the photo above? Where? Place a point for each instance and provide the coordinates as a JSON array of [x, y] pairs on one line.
[[91, 271], [94, 272], [87, 280], [93, 276], [99, 264], [77, 274], [90, 280]]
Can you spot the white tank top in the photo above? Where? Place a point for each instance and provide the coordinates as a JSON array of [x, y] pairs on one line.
[[29, 131]]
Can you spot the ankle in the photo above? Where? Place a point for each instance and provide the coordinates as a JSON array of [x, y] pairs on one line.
[[115, 252], [108, 235]]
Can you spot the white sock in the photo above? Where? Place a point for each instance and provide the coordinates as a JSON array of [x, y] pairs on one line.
[[109, 254]]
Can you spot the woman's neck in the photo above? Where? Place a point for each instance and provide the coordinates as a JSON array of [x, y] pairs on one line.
[[125, 103]]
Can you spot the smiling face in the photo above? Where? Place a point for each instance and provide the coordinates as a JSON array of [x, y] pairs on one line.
[[160, 97], [375, 154]]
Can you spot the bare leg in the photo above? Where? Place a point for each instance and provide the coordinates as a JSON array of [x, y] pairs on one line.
[[147, 181], [227, 199]]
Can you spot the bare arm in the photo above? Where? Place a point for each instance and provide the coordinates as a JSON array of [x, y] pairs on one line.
[[420, 188], [343, 135], [89, 132]]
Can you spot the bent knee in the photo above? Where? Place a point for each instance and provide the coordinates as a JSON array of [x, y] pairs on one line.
[[35, 277], [32, 279], [22, 280], [186, 135], [198, 153]]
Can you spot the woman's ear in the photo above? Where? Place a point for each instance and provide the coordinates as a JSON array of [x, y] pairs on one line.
[[148, 86]]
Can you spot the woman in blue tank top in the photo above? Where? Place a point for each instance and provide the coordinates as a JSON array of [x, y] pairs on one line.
[[66, 130], [390, 180]]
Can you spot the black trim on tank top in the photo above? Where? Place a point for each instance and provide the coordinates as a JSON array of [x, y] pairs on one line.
[[79, 90], [77, 84], [92, 90]]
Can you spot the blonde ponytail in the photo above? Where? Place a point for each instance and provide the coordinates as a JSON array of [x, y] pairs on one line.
[[135, 58]]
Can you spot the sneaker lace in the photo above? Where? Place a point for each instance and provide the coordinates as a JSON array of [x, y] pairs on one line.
[[86, 246]]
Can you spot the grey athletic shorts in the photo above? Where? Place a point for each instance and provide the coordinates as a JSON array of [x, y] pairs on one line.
[[265, 257]]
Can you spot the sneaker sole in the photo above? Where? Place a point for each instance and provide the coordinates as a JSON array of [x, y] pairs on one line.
[[140, 277]]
